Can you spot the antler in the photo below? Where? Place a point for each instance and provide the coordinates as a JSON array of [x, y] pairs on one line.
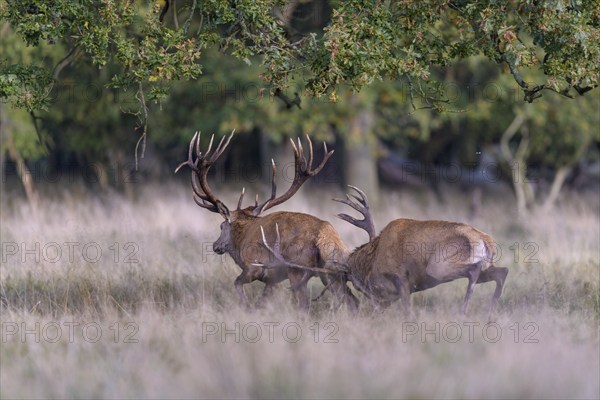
[[203, 194], [280, 260], [361, 205], [303, 171]]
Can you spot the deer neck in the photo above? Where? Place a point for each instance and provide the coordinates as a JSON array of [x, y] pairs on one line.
[[360, 265], [240, 229]]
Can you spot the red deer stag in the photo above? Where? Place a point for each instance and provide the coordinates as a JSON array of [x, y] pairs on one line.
[[309, 240], [410, 256]]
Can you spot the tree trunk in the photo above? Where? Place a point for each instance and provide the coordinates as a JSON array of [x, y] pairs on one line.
[[102, 176], [557, 184], [124, 171], [22, 170], [518, 176], [518, 163], [360, 163]]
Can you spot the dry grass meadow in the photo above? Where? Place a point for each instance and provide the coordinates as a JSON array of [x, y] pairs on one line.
[[111, 298]]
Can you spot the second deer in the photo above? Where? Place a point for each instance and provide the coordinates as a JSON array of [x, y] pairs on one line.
[[410, 256]]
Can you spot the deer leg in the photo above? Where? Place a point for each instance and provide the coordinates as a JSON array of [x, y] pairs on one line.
[[305, 278], [380, 305], [350, 300], [239, 283], [299, 290], [271, 282], [341, 291], [497, 274], [403, 292], [405, 299], [473, 275], [267, 293]]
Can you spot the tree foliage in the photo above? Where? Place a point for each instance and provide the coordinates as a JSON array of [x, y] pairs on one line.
[[364, 40], [228, 64]]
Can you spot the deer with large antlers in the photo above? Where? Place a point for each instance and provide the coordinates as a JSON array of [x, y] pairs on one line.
[[308, 240], [410, 256]]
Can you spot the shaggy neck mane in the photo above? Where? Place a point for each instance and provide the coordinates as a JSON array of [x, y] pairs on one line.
[[238, 227], [359, 260]]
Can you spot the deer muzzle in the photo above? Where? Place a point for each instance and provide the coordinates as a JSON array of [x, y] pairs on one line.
[[218, 248]]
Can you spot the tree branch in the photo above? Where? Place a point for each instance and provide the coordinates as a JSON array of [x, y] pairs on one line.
[[188, 21], [144, 124], [532, 93], [175, 20], [63, 63]]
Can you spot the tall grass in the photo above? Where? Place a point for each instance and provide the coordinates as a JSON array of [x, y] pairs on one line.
[[154, 314]]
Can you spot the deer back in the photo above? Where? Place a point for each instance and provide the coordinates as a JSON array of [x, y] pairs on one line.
[[416, 250], [306, 239]]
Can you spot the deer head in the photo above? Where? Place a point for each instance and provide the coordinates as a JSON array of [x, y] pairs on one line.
[[200, 163]]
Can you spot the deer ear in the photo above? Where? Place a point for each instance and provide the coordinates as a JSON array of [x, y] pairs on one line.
[[223, 210]]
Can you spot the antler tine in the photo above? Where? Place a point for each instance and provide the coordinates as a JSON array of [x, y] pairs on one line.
[[278, 237], [303, 171], [310, 152], [274, 250], [212, 137], [195, 141], [239, 206], [220, 149], [358, 199], [361, 205], [273, 183], [179, 166], [319, 167], [203, 203], [260, 209], [365, 224], [349, 202], [264, 239], [362, 194], [300, 149], [348, 218], [193, 164], [203, 195], [216, 154], [295, 148], [190, 161]]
